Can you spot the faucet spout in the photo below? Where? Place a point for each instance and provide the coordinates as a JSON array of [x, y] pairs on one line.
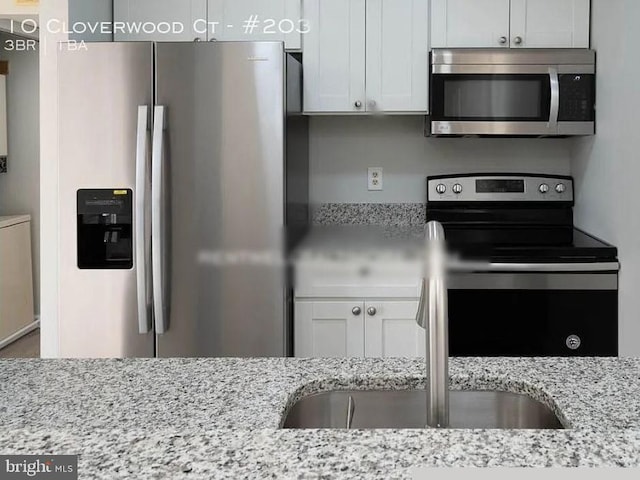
[[433, 316]]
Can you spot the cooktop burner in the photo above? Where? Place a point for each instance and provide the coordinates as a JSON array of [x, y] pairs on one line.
[[582, 248]]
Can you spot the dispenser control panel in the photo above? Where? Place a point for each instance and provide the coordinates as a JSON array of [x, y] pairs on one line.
[[105, 229]]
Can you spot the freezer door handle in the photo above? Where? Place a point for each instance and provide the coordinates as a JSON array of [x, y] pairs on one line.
[[157, 220], [141, 233]]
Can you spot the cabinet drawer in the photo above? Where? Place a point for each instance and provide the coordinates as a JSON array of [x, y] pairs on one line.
[[351, 280]]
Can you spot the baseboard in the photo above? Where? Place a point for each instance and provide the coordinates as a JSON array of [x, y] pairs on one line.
[[20, 333]]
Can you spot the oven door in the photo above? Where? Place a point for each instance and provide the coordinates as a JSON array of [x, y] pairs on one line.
[[494, 100], [533, 314]]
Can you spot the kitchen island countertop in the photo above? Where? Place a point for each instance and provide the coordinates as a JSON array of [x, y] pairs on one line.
[[220, 418]]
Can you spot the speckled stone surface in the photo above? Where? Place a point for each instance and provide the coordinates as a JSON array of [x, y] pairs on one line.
[[385, 214], [220, 418]]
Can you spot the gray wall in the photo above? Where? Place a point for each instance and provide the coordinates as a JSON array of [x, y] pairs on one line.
[[607, 166], [342, 148], [91, 11], [20, 186]]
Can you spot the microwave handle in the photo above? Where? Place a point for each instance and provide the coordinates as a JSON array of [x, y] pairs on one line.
[[555, 99]]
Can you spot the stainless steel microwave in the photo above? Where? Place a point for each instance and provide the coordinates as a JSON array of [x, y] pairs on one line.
[[502, 92]]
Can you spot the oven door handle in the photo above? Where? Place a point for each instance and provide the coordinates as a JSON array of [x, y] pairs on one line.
[[554, 111], [462, 266]]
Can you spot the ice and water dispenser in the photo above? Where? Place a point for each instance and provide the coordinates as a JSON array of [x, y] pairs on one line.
[[105, 229]]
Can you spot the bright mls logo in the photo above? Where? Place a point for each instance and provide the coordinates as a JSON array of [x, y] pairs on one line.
[[54, 467]]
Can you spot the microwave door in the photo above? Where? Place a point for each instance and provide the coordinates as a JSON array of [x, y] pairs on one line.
[[495, 100]]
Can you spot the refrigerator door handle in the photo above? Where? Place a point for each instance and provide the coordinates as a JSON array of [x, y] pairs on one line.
[[142, 259], [157, 220]]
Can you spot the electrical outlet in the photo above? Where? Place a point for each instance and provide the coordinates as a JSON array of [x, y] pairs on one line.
[[375, 179]]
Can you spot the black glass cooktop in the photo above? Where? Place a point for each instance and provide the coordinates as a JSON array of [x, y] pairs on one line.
[[571, 246]]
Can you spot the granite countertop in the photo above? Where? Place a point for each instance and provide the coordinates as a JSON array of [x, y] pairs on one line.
[[220, 418]]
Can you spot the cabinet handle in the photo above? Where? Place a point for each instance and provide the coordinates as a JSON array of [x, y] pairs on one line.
[[503, 40], [372, 311], [356, 311], [358, 104], [517, 40]]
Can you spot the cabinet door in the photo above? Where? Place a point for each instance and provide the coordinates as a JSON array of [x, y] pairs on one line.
[[469, 23], [329, 329], [16, 282], [391, 330], [550, 23], [334, 56], [145, 20], [397, 55], [278, 20]]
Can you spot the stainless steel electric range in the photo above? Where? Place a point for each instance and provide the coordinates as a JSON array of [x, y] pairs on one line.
[[530, 283]]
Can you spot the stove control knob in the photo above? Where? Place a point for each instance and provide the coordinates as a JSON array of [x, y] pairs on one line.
[[561, 188], [544, 188], [441, 189], [573, 342], [457, 189]]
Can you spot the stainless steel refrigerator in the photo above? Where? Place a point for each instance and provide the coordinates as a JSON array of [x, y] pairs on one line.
[[183, 173]]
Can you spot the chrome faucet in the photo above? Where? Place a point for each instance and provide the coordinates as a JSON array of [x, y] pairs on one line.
[[433, 317]]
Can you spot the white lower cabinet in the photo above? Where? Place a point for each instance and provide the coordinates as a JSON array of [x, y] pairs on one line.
[[329, 329], [391, 330], [358, 328], [16, 281]]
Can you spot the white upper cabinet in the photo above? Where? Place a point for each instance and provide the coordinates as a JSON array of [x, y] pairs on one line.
[[366, 56], [256, 20], [148, 20], [397, 70], [510, 23], [469, 23], [334, 56], [278, 20], [550, 23]]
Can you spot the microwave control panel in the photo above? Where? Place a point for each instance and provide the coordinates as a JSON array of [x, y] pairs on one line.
[[577, 98]]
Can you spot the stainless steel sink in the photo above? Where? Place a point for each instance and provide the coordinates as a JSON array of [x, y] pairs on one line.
[[406, 409]]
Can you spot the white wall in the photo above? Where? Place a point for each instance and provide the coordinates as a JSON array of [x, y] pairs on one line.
[[607, 166], [19, 187], [342, 148]]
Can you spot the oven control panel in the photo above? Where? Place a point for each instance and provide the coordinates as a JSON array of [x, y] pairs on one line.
[[499, 188]]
